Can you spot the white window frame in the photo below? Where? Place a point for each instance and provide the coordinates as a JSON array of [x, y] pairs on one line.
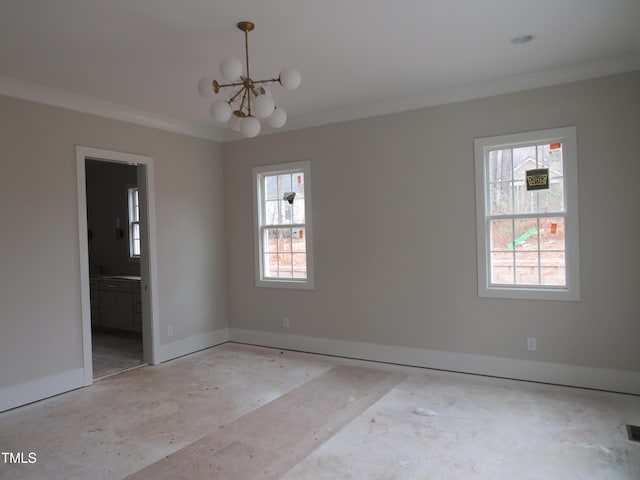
[[566, 135], [258, 174], [132, 221]]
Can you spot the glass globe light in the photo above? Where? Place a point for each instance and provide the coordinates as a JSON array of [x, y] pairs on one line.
[[234, 123], [249, 127], [231, 69], [278, 118], [263, 106], [290, 78], [220, 110], [205, 87]]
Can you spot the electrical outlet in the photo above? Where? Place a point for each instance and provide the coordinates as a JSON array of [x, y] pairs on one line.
[[285, 322], [531, 343], [169, 330]]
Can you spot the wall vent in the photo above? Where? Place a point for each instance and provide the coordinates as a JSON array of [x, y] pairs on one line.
[[634, 433]]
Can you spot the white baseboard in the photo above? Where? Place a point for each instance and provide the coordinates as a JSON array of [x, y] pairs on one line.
[[185, 346], [570, 375], [34, 390]]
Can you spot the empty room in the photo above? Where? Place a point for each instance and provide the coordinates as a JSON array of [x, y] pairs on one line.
[[319, 240]]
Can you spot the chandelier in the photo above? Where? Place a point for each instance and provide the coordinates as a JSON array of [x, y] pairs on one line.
[[247, 100]]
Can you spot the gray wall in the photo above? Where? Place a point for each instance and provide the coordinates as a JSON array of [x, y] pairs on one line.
[[394, 227], [395, 231], [40, 308]]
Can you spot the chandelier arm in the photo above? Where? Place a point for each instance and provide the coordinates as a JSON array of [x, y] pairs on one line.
[[269, 80], [244, 97], [235, 95], [234, 84], [246, 51], [248, 81]]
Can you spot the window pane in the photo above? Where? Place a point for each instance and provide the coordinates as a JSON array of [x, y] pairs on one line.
[[527, 268], [501, 234], [524, 201], [526, 234], [502, 268], [298, 210], [500, 198], [298, 240], [552, 200], [284, 240], [284, 265], [271, 187], [524, 158], [552, 234], [298, 184], [552, 268], [299, 265], [271, 212], [270, 240], [136, 206], [550, 156], [284, 184], [134, 241], [271, 265], [286, 212], [500, 166]]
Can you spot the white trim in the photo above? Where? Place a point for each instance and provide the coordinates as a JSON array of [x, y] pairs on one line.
[[82, 103], [34, 390], [570, 375], [457, 93], [470, 91], [185, 346], [149, 264], [256, 173], [566, 135], [150, 308], [85, 295]]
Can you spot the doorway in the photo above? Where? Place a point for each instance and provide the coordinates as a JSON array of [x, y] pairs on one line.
[[113, 236], [115, 198]]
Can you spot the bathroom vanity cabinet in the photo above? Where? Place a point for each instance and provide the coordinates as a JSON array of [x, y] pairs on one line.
[[116, 303]]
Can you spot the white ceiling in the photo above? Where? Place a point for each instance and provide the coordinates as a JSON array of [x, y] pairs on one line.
[[140, 60]]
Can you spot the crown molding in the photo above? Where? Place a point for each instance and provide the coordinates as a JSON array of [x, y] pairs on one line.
[[473, 91], [442, 96], [82, 103]]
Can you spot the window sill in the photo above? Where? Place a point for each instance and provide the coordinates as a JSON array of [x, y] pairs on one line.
[[300, 284], [529, 293]]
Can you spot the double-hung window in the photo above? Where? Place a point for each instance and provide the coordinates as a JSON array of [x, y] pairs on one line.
[[134, 222], [527, 215], [282, 223]]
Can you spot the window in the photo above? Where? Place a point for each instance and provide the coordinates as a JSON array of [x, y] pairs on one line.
[[134, 223], [528, 233], [282, 211]]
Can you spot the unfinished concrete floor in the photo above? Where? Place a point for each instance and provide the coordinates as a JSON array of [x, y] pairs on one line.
[[241, 412]]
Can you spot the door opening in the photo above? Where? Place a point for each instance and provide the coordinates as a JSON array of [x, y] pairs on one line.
[[113, 237], [116, 261]]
